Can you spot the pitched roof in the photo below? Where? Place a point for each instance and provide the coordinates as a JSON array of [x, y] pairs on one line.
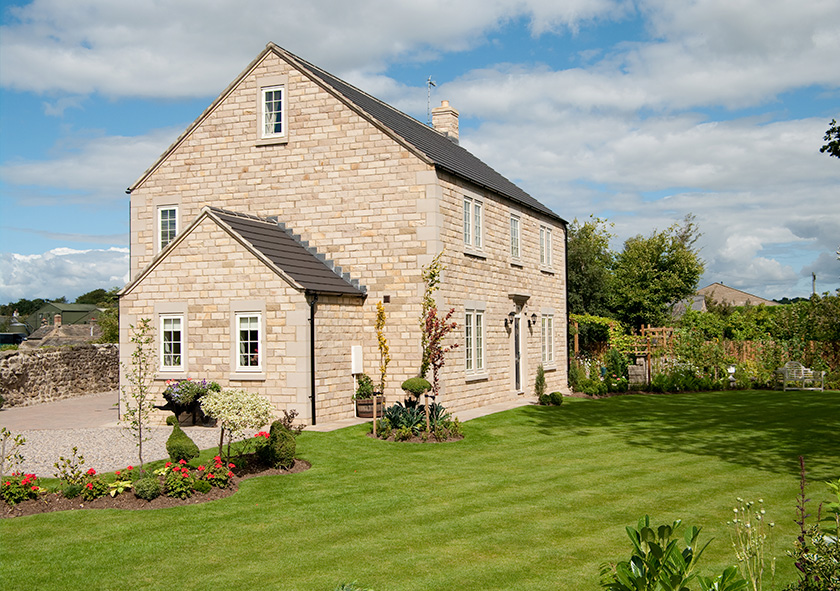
[[732, 296], [424, 141], [285, 250], [441, 151], [293, 259]]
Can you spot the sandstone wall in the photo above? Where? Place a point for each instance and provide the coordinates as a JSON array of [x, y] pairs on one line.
[[43, 375]]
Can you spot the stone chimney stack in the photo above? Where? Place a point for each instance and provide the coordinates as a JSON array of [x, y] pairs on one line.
[[57, 320], [445, 120]]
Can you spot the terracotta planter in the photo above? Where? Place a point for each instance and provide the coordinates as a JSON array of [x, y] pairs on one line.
[[364, 407]]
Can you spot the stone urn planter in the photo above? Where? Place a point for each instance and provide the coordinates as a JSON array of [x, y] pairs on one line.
[[364, 407]]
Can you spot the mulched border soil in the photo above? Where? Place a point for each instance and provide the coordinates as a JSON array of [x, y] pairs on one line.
[[55, 502]]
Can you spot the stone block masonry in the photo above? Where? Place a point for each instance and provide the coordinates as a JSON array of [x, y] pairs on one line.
[[44, 375]]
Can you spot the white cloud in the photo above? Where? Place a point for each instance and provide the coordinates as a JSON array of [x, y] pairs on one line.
[[192, 48], [61, 272], [91, 170]]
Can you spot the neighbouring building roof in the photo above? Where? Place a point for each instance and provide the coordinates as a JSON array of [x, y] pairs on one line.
[[276, 245], [430, 145], [724, 294], [695, 302]]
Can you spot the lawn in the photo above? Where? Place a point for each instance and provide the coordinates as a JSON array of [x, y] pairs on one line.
[[534, 498]]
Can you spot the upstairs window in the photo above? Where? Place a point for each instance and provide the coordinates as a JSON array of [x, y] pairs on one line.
[[545, 246], [473, 223], [167, 225], [514, 237], [273, 112]]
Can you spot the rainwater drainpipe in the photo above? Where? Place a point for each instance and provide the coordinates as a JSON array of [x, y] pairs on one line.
[[313, 300], [566, 261]]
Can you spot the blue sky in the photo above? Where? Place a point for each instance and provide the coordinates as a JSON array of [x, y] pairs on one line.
[[637, 111]]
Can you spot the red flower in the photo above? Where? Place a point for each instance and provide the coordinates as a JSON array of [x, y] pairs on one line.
[[35, 488], [90, 486], [117, 473], [201, 468], [167, 464], [8, 483], [131, 468], [230, 474], [182, 461], [231, 465], [91, 472], [209, 476]]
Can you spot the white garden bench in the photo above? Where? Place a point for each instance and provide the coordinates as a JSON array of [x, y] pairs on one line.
[[795, 376]]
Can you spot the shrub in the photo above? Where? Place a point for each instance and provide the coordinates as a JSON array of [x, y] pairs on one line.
[[217, 474], [178, 482], [416, 386], [69, 470], [456, 428], [179, 446], [553, 399], [364, 387], [383, 428], [147, 488], [202, 486], [539, 382], [71, 491], [278, 451], [576, 375], [94, 488], [19, 487], [403, 434]]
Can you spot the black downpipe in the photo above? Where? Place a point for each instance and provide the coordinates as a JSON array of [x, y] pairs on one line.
[[312, 302]]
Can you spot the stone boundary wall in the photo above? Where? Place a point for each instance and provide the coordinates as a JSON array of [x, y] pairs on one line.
[[44, 375]]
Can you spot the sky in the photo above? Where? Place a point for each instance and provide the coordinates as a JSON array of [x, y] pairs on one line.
[[636, 111]]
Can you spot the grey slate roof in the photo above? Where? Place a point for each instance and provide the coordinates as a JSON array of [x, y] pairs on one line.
[[444, 153], [285, 250]]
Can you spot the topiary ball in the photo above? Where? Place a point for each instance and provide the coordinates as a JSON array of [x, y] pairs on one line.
[[147, 488]]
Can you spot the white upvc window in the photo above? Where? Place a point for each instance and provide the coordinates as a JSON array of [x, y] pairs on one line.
[[545, 246], [474, 341], [473, 223], [249, 342], [273, 112], [547, 339], [167, 225], [172, 347], [515, 245]]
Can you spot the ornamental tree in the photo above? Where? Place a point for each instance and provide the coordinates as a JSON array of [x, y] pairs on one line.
[[236, 411], [384, 355], [137, 396], [435, 331]]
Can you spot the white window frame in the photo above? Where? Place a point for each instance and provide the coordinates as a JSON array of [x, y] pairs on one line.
[[260, 352], [475, 342], [182, 343], [473, 223], [547, 339], [160, 232], [515, 237], [264, 113], [545, 247]]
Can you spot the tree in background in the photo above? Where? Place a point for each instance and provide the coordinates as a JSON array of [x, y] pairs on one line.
[[832, 140], [655, 271], [588, 261], [100, 298]]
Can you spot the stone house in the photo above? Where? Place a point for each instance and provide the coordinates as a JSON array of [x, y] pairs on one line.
[[264, 237]]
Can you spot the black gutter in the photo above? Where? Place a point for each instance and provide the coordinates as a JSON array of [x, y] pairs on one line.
[[312, 302]]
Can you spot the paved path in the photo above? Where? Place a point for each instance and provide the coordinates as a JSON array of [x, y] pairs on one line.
[[91, 423]]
